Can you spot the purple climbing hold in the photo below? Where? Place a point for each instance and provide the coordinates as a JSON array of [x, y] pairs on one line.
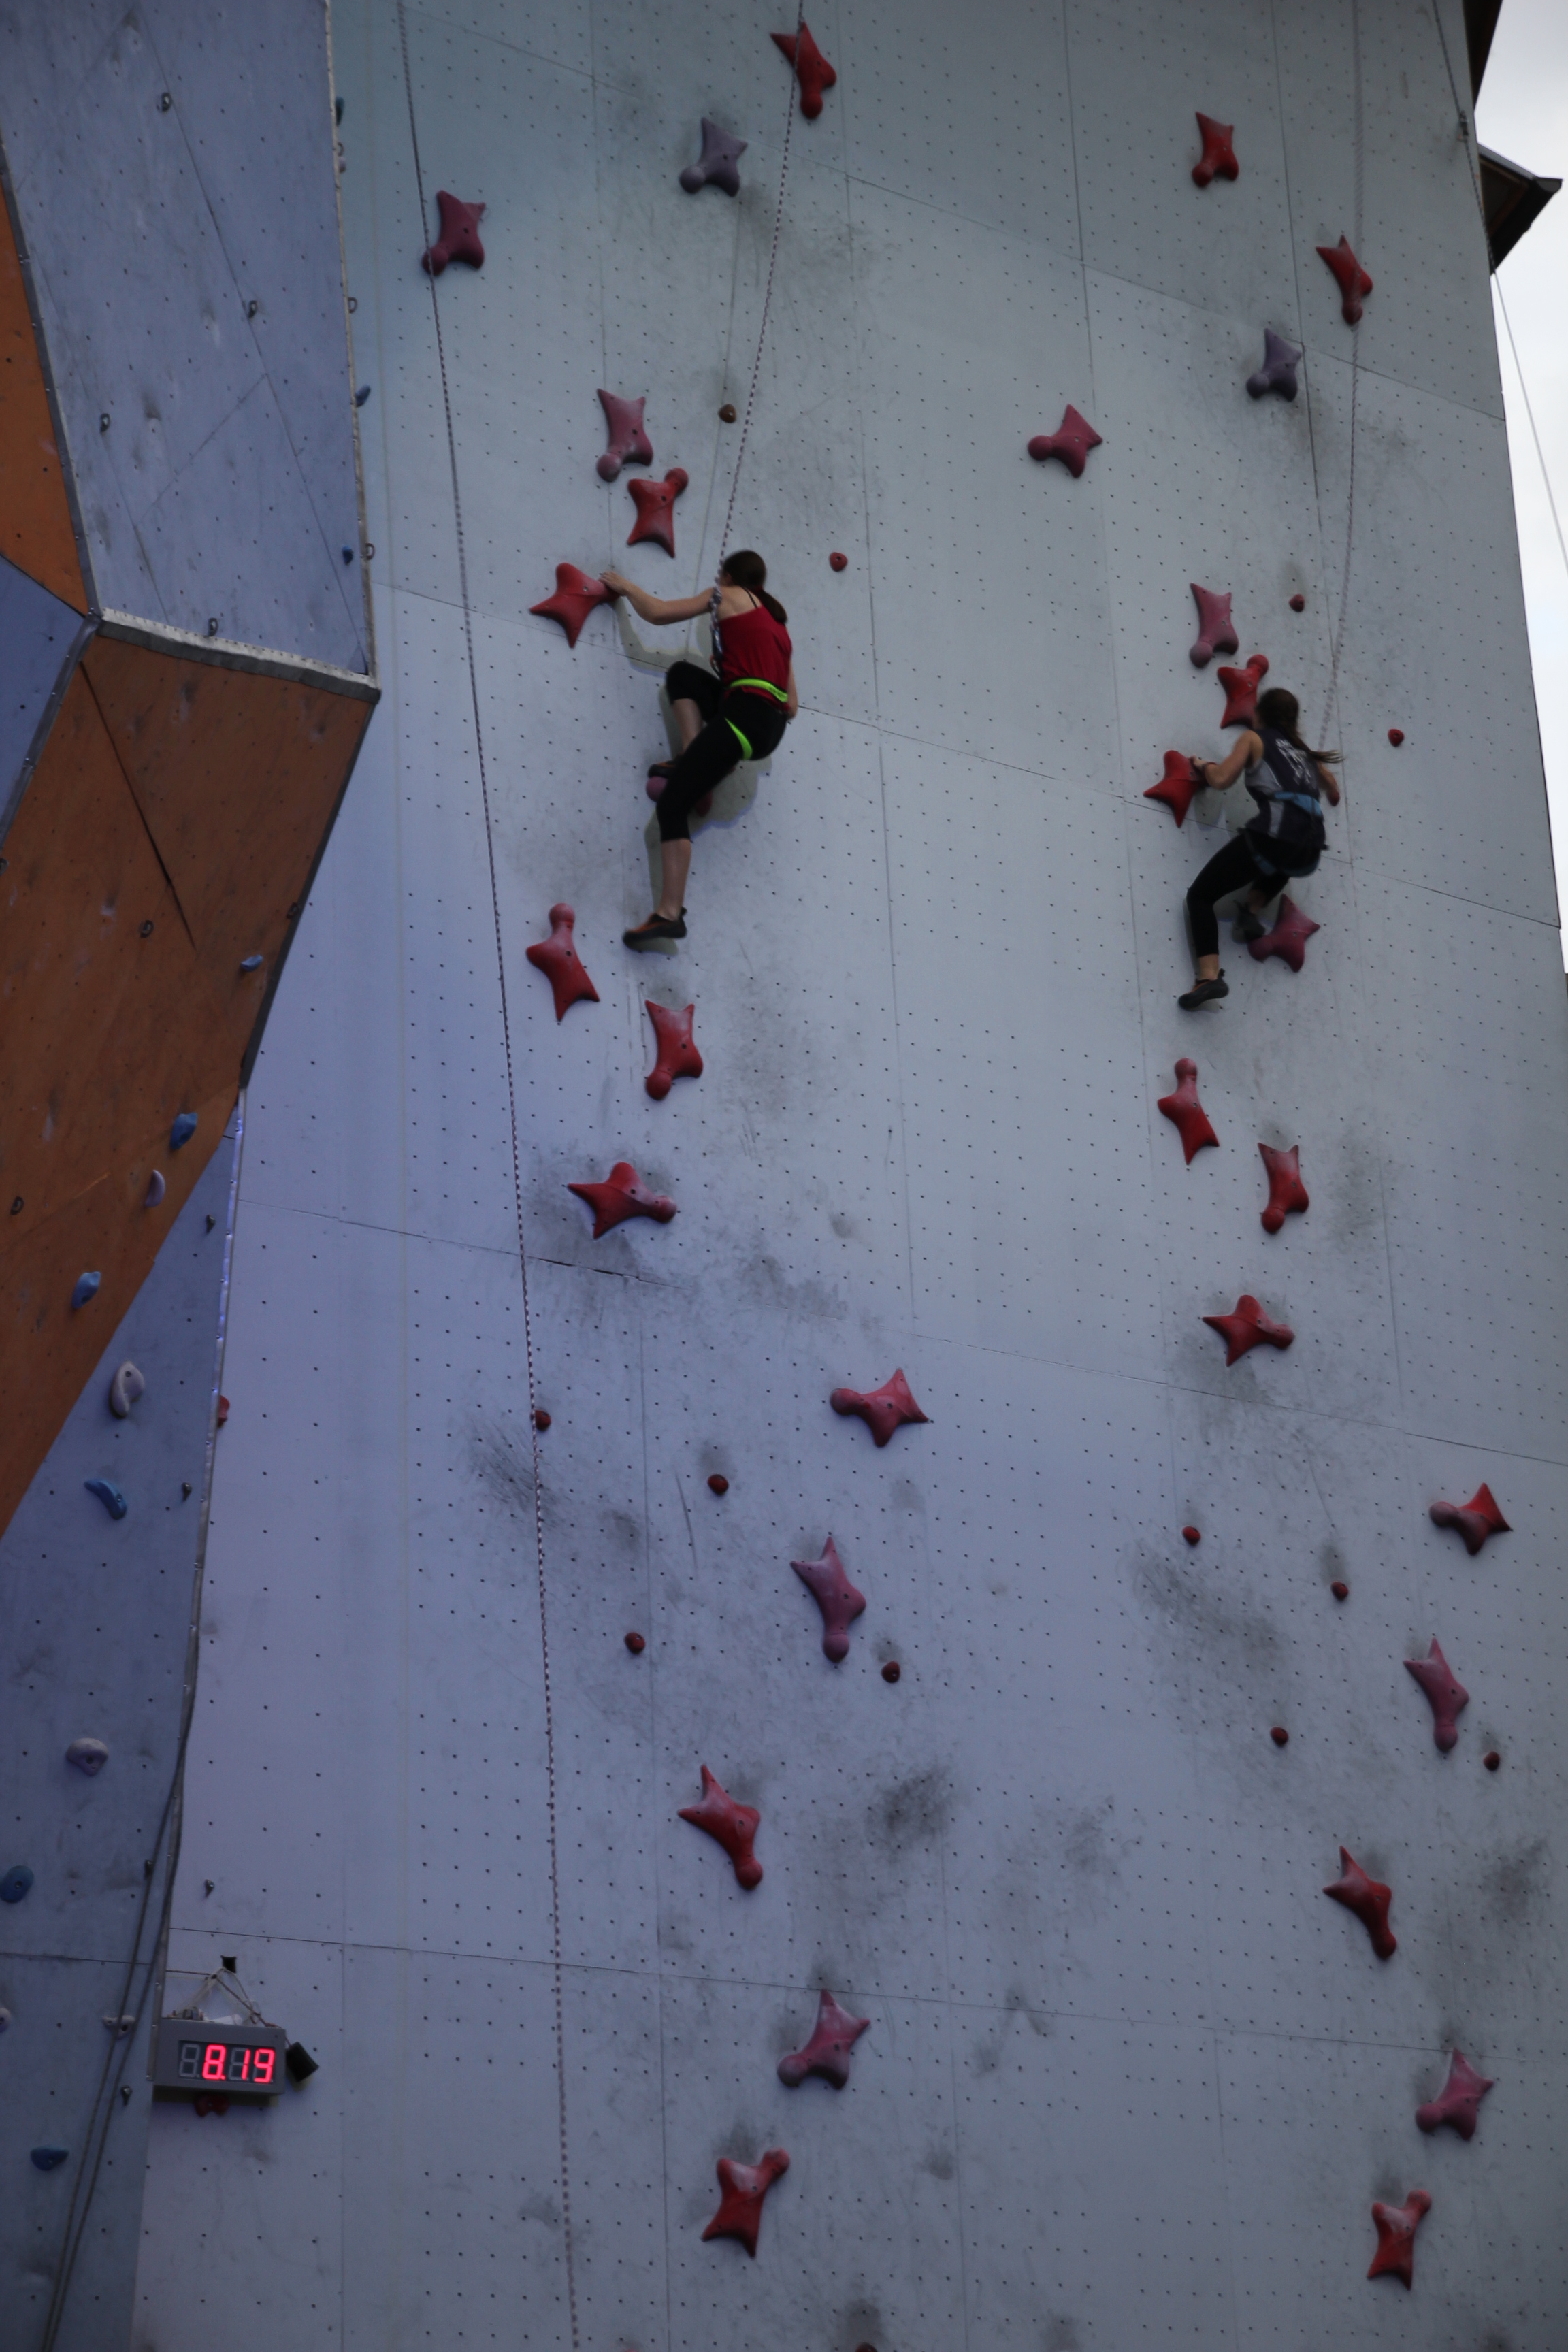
[[156, 1188], [459, 238], [109, 1494], [17, 1883], [88, 1755], [827, 2053], [835, 1596], [628, 440], [1277, 373], [716, 166], [180, 1134], [87, 1286], [46, 2158], [1217, 630]]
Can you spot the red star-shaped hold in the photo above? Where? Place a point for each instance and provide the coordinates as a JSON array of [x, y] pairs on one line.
[[1247, 1328], [1185, 1112], [558, 959], [1458, 2102], [1447, 1693], [678, 1057], [812, 70], [1177, 786], [827, 2053], [576, 594], [1217, 160], [625, 1195], [1396, 2228], [1353, 282], [459, 238], [1369, 1899], [733, 1825], [882, 1410], [1286, 1194], [1217, 630], [655, 503], [835, 1596], [745, 2186], [1475, 1520], [628, 442], [1289, 937], [1241, 690], [1071, 442]]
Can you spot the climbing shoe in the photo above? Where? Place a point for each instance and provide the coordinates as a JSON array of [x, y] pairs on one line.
[[662, 769], [655, 930], [1246, 926], [1202, 992]]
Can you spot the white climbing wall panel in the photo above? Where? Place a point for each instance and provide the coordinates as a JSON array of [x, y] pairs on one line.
[[1129, 2077]]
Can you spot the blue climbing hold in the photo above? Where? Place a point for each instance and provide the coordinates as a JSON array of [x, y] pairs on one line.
[[251, 963], [109, 1494], [17, 1883], [86, 1288], [361, 395], [184, 1126], [45, 2159], [348, 555]]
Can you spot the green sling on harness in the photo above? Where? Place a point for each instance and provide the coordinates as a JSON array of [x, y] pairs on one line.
[[761, 686]]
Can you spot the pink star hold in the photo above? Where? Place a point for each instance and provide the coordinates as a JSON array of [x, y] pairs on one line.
[[1289, 937], [745, 2186], [812, 70], [733, 1825], [1286, 1194], [459, 238], [1241, 691], [655, 504], [882, 1410], [827, 2053], [557, 958], [576, 595], [1217, 630], [1369, 1899], [628, 442], [678, 1057], [1475, 1520], [1071, 442], [1185, 1112], [835, 1596], [1458, 2102], [1396, 2228], [1217, 160], [1177, 786], [1247, 1328], [1448, 1695], [1353, 282], [625, 1195]]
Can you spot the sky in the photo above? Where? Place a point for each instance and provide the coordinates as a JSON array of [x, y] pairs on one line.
[[1522, 113]]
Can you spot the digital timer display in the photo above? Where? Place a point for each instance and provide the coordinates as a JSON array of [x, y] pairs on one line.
[[239, 2061]]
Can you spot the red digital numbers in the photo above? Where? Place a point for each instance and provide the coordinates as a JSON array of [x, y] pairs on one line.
[[214, 2059], [233, 2063], [266, 2060]]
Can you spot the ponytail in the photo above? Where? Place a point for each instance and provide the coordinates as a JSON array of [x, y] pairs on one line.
[[745, 568], [1282, 713]]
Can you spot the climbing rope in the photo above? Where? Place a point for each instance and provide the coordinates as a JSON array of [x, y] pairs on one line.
[[1337, 642], [567, 2241]]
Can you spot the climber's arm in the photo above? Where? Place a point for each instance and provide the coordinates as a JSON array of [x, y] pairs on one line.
[[1245, 753], [794, 703], [1330, 784], [659, 610]]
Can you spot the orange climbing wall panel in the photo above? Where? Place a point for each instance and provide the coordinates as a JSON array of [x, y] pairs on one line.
[[35, 531]]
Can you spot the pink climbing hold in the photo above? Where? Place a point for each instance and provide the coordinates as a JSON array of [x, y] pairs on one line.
[[1397, 736], [1354, 283], [745, 2186], [812, 70], [1369, 1899], [1458, 2104], [1217, 630], [1073, 439], [558, 959], [716, 167], [1447, 1693], [1178, 786], [835, 1596], [1185, 1112], [734, 1827], [621, 1196], [678, 1057], [1286, 1194], [628, 442], [576, 595], [1475, 1520], [459, 238], [882, 1410], [1217, 160], [1287, 939], [827, 2053], [655, 503], [1241, 691], [1396, 2228], [838, 563], [1248, 1327]]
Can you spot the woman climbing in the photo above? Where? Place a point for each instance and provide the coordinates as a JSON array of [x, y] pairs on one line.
[[738, 711], [1284, 840]]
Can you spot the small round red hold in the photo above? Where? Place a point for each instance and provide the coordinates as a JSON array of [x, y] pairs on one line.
[[840, 562], [1298, 604], [222, 1411], [1491, 1760], [1192, 1534], [727, 413], [891, 1671], [540, 1418], [1279, 1735], [1397, 736], [718, 1483], [1340, 1592], [636, 1644]]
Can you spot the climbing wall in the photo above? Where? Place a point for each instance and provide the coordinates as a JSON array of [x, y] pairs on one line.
[[496, 1570]]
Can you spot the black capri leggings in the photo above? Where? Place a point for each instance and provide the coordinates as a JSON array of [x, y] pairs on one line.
[[718, 749], [1233, 868]]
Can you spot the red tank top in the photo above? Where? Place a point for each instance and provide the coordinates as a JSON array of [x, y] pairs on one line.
[[753, 645]]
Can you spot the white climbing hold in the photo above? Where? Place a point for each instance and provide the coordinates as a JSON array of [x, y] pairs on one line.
[[124, 1389], [4, 2019], [88, 1755], [155, 1189]]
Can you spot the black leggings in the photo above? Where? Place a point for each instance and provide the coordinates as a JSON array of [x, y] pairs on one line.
[[1232, 868], [712, 754]]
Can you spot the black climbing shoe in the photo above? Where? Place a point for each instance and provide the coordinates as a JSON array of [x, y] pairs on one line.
[[1202, 992], [655, 930], [660, 768], [1246, 926]]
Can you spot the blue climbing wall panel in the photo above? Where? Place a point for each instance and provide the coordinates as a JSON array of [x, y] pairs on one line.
[[41, 636]]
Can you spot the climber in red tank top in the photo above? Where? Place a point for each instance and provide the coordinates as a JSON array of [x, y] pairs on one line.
[[737, 710]]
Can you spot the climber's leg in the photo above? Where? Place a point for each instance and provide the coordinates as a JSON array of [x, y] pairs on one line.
[[1232, 868]]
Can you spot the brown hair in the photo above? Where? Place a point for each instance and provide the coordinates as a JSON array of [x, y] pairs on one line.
[[745, 568], [1280, 711]]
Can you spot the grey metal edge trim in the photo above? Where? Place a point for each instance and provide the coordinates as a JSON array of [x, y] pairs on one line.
[[224, 653]]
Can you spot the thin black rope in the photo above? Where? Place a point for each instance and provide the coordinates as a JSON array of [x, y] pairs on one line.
[[1337, 643], [522, 1246]]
